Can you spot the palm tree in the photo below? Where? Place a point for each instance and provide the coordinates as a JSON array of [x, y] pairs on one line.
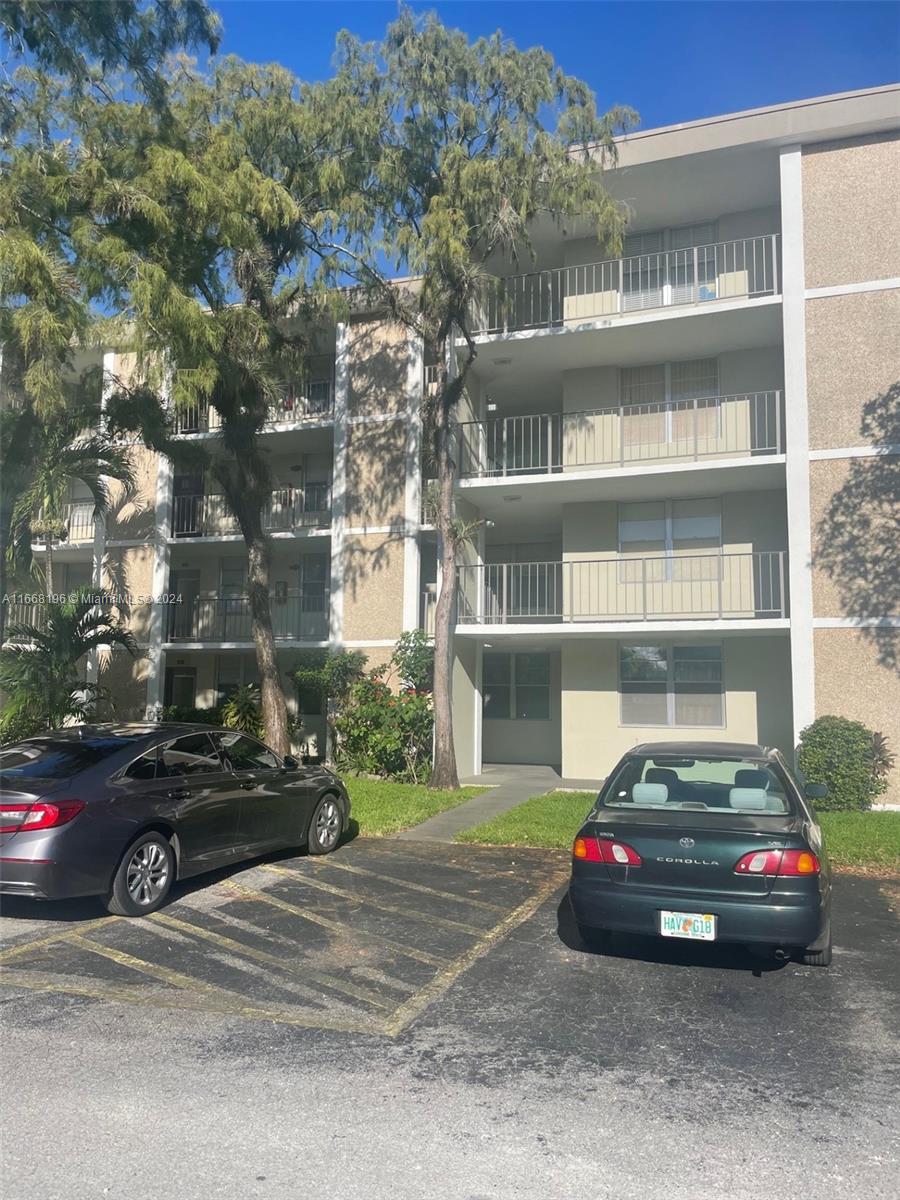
[[65, 452], [39, 673]]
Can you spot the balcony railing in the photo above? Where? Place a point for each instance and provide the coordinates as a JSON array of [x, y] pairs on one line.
[[661, 587], [297, 615], [34, 615], [569, 295], [685, 430], [289, 508], [313, 399]]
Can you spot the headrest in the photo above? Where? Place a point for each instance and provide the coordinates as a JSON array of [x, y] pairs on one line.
[[748, 799], [750, 777], [649, 793], [661, 775]]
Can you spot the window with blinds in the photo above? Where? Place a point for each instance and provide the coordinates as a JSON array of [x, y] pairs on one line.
[[661, 398]]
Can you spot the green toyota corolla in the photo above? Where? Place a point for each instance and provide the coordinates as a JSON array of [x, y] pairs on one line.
[[705, 841]]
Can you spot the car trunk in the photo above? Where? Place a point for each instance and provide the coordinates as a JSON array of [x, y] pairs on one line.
[[36, 789], [694, 853]]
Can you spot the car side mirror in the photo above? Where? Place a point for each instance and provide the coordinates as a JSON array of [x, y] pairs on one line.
[[289, 763], [816, 791]]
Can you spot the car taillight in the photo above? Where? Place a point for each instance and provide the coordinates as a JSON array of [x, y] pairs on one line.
[[778, 862], [614, 854], [41, 815]]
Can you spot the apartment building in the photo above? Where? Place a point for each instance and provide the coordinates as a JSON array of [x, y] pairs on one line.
[[663, 453]]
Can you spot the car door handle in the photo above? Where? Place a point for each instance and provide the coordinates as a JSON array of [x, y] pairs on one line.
[[179, 793], [248, 784]]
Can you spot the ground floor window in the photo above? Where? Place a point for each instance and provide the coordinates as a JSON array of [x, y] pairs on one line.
[[233, 673], [671, 685], [516, 687]]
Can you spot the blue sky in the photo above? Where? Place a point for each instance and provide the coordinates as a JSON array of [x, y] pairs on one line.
[[671, 61]]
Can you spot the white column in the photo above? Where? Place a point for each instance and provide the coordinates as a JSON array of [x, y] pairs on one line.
[[413, 487], [159, 613], [339, 483], [797, 440], [92, 673]]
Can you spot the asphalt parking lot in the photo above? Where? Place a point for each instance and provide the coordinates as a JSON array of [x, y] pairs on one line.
[[416, 1020]]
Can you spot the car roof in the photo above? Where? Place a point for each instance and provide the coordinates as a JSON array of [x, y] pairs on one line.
[[710, 749], [128, 732]]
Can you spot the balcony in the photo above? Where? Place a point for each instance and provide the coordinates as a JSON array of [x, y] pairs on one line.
[[313, 400], [662, 587], [296, 616], [743, 269], [289, 509], [681, 431]]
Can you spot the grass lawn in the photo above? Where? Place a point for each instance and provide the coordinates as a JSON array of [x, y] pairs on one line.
[[549, 822], [381, 806], [867, 841]]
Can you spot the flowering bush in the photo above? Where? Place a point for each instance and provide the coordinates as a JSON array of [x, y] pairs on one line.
[[383, 733]]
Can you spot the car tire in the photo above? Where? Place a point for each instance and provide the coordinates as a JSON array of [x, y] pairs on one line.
[[143, 877], [593, 938], [819, 958], [326, 825]]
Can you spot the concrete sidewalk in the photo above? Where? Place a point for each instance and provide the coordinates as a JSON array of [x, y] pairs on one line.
[[508, 786]]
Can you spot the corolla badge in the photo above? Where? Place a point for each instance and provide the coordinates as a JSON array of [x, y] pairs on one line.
[[687, 843]]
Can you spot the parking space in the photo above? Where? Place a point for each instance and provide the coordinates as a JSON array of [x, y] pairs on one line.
[[360, 941]]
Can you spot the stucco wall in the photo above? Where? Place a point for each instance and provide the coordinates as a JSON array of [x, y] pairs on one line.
[[465, 699], [377, 358], [128, 572], [126, 678], [852, 360], [373, 587], [757, 702], [852, 681], [851, 210], [376, 473]]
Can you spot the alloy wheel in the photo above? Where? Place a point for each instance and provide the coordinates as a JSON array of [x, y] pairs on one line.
[[147, 875], [328, 824]]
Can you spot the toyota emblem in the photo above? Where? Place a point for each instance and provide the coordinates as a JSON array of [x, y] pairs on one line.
[[686, 842]]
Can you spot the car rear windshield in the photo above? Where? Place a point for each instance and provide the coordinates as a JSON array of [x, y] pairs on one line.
[[702, 784], [46, 759]]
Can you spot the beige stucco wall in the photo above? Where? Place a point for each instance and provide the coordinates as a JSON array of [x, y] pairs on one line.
[[852, 360], [133, 515], [126, 678], [851, 681], [376, 473], [128, 572], [851, 210], [757, 702], [373, 587], [377, 359], [528, 741]]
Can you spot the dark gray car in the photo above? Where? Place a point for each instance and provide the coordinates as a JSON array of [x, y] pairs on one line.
[[122, 811]]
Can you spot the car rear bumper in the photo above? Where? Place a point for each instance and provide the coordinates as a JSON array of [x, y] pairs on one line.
[[44, 880], [777, 920]]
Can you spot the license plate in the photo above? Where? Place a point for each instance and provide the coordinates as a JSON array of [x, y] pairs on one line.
[[698, 927]]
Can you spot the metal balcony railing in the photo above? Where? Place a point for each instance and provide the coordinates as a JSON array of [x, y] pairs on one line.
[[34, 615], [687, 430], [314, 398], [659, 587], [297, 615], [747, 267], [289, 508]]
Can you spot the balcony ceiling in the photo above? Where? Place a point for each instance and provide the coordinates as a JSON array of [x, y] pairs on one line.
[[675, 333], [538, 508]]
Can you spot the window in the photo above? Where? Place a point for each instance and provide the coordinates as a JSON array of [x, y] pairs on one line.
[[674, 685], [47, 759], [689, 530], [674, 406], [516, 687], [143, 767], [246, 754], [706, 784], [190, 755], [233, 672]]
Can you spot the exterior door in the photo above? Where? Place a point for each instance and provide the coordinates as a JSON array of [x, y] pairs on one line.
[[275, 804], [185, 614], [192, 776], [234, 611], [181, 686]]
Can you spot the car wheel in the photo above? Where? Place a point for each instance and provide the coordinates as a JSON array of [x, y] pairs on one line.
[[325, 826], [594, 939], [143, 878], [819, 958]]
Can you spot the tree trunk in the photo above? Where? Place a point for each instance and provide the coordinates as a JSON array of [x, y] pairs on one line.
[[444, 773], [274, 709], [48, 569]]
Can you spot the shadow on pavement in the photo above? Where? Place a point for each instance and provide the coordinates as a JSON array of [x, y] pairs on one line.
[[666, 951]]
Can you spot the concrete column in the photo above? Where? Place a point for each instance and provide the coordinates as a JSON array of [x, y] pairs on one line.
[[92, 673], [339, 483], [159, 613], [413, 487], [797, 439]]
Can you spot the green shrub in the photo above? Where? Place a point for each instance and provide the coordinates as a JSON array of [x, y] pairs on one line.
[[380, 733], [206, 716], [241, 711], [841, 754]]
